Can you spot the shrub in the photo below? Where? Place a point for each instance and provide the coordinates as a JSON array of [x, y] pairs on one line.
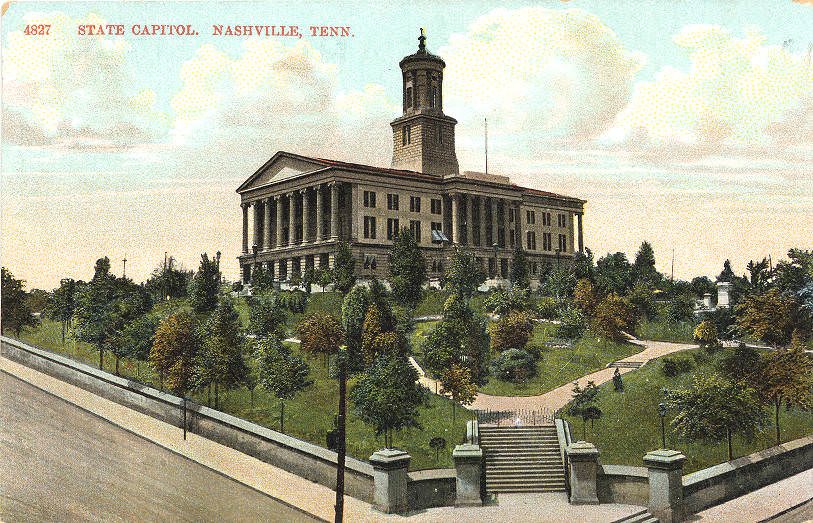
[[742, 363], [680, 309], [573, 324], [513, 365], [294, 301], [547, 308], [502, 302], [672, 367], [706, 334], [511, 331], [613, 316]]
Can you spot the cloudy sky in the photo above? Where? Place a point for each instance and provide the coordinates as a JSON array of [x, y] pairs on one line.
[[685, 123]]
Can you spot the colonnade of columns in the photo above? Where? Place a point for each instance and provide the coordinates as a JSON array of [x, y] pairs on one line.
[[293, 218], [468, 232]]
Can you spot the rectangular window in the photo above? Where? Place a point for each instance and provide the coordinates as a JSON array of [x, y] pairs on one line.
[[530, 217], [369, 199], [562, 220], [436, 226], [563, 242], [392, 202], [369, 227], [415, 227], [547, 243], [546, 219], [436, 206], [531, 240], [415, 204], [392, 228]]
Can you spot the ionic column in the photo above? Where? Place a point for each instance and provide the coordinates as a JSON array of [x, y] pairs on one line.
[[355, 212], [581, 232], [493, 220], [483, 222], [455, 221], [257, 219], [245, 207], [517, 226], [320, 215], [291, 234], [469, 220], [278, 201], [334, 211], [306, 215], [267, 244]]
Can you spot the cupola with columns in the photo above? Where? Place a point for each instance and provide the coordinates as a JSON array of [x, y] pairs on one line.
[[423, 137]]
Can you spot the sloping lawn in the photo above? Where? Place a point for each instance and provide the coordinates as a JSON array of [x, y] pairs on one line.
[[662, 330], [630, 426], [560, 365]]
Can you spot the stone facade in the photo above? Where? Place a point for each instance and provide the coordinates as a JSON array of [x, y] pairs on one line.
[[299, 208]]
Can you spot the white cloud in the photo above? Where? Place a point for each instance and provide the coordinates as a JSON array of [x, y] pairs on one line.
[[73, 90], [540, 72], [737, 93]]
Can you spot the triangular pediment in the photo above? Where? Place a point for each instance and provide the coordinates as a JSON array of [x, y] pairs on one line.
[[280, 167]]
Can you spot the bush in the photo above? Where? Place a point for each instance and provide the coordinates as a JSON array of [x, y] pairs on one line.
[[706, 334], [573, 324], [511, 331], [680, 309], [513, 365], [547, 308], [742, 363], [672, 367], [502, 302], [294, 301]]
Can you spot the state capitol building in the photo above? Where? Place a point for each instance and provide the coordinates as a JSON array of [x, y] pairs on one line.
[[301, 208]]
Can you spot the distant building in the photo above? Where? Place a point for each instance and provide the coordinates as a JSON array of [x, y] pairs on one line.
[[302, 207]]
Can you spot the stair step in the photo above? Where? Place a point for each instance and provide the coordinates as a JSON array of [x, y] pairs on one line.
[[639, 517]]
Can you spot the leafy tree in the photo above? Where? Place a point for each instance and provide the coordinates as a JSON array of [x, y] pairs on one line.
[[262, 281], [511, 331], [514, 365], [221, 359], [614, 316], [791, 276], [320, 333], [644, 265], [206, 285], [456, 382], [584, 404], [469, 331], [354, 312], [266, 318], [62, 303], [323, 277], [344, 269], [706, 334], [95, 314], [16, 313], [519, 269], [37, 300], [680, 310], [502, 302], [759, 273], [137, 337], [464, 274], [559, 283], [614, 274], [572, 325], [702, 285], [407, 269], [281, 372], [387, 396], [174, 353], [786, 377], [441, 349], [584, 267], [309, 278], [130, 302], [713, 409], [742, 364], [585, 296], [168, 280], [769, 317], [379, 334], [642, 298]]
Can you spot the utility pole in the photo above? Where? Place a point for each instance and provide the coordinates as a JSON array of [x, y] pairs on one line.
[[673, 264], [124, 270], [486, 122]]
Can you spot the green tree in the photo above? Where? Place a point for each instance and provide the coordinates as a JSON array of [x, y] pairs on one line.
[[713, 409], [456, 382], [266, 319], [584, 266], [168, 280], [281, 372], [614, 274], [206, 284], [407, 269], [559, 283], [136, 339], [759, 273], [644, 265], [354, 312], [702, 285], [613, 317], [16, 313], [786, 376], [262, 281], [387, 396], [511, 331], [769, 317], [221, 359], [95, 314], [130, 302], [572, 324], [642, 297], [519, 269], [62, 303], [741, 364], [174, 353], [464, 274], [379, 334], [584, 404], [585, 296], [344, 269]]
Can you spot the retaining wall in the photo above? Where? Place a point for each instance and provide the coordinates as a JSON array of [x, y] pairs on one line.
[[622, 484]]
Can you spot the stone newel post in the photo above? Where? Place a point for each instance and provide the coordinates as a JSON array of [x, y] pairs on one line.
[[583, 458], [468, 461], [390, 480], [665, 484]]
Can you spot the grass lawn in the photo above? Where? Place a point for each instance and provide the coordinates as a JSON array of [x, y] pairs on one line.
[[660, 330], [559, 366], [318, 301], [630, 426], [308, 416]]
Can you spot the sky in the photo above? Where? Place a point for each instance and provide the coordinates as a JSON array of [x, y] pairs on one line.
[[688, 124]]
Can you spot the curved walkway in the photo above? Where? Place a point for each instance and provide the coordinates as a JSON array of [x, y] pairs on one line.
[[561, 396]]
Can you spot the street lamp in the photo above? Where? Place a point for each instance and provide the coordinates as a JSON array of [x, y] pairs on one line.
[[662, 412]]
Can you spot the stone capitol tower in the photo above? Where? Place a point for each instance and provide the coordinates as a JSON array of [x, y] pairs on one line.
[[423, 137]]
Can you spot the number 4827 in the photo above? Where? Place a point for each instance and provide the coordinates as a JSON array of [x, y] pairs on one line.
[[37, 29]]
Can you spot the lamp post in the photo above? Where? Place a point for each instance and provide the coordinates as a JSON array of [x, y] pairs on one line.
[[662, 412]]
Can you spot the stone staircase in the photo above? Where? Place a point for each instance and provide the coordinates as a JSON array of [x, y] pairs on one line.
[[522, 459], [627, 364], [639, 517]]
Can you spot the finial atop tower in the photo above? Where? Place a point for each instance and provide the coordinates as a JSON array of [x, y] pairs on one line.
[[422, 42]]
